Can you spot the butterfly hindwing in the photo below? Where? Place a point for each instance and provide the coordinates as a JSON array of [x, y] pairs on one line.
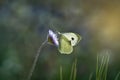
[[65, 46]]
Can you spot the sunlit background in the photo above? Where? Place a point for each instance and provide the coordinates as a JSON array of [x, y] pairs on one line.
[[24, 25]]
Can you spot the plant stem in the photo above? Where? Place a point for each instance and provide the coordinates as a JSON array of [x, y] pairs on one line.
[[75, 69], [35, 61], [118, 74], [106, 66], [61, 76], [72, 69], [90, 77], [97, 66]]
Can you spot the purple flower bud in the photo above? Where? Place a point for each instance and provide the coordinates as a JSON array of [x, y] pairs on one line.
[[52, 38]]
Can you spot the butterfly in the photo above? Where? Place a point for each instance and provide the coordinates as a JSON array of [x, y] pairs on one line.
[[64, 41]]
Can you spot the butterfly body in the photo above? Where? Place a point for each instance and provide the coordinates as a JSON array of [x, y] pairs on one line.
[[64, 41]]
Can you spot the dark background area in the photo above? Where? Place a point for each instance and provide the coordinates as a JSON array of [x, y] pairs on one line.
[[24, 25]]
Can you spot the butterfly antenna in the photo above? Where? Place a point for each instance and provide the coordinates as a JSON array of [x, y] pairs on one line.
[[54, 29], [35, 61]]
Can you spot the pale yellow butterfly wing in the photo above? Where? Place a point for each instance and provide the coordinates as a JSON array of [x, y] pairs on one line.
[[73, 37], [65, 46]]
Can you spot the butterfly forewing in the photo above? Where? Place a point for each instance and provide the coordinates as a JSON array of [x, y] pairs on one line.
[[73, 37], [65, 46]]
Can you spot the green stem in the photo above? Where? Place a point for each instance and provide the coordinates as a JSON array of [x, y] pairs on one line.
[[97, 77], [101, 68], [72, 69], [75, 69], [35, 61], [90, 77], [106, 67], [61, 71], [117, 76]]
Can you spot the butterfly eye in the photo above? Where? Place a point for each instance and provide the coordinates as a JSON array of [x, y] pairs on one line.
[[72, 38]]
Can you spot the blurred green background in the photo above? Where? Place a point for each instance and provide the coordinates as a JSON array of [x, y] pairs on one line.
[[24, 25]]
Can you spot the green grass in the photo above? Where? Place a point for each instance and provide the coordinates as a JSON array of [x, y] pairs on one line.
[[90, 77], [101, 69], [102, 66], [73, 71], [117, 76], [61, 73]]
